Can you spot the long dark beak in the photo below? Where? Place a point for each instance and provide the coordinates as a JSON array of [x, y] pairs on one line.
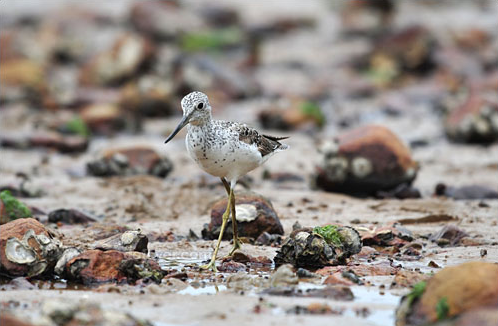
[[182, 124]]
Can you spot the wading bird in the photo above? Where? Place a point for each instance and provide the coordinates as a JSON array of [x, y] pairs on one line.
[[224, 149]]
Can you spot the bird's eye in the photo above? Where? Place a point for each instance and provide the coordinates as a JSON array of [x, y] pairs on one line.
[[200, 105]]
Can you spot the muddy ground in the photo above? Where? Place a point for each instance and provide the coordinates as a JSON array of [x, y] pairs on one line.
[[181, 202]]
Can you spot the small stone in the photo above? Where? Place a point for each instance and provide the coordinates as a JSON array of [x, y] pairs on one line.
[[448, 235], [284, 276], [127, 241], [70, 216], [483, 253], [473, 121], [103, 118], [130, 161], [255, 215], [465, 192]]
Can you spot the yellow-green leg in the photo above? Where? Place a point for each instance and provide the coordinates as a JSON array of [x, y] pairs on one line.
[[231, 198], [212, 263]]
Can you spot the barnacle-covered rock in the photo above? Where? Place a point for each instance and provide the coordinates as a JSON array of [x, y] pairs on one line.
[[450, 293], [255, 215], [474, 121], [127, 241], [97, 266], [322, 246], [27, 248], [363, 161], [130, 161]]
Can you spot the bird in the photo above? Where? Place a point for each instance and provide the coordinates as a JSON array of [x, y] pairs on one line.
[[225, 149]]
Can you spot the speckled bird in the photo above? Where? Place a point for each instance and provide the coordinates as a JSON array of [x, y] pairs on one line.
[[224, 149]]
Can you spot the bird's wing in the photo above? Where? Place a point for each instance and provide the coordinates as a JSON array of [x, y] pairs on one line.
[[266, 144]]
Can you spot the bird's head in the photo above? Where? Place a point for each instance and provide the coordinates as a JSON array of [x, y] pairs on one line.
[[196, 110]]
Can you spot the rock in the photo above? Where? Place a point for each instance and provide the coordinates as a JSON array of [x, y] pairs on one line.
[[50, 140], [337, 278], [27, 248], [284, 276], [130, 161], [70, 216], [320, 247], [232, 266], [127, 241], [314, 308], [149, 96], [103, 118], [255, 215], [297, 115], [241, 257], [242, 282], [473, 121], [127, 55], [11, 208], [390, 235], [403, 191], [304, 273], [376, 269], [97, 266], [67, 255], [364, 161], [267, 239], [465, 192], [451, 292], [448, 235], [407, 51], [68, 313]]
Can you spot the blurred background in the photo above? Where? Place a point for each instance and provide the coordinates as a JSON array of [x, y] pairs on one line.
[[78, 77]]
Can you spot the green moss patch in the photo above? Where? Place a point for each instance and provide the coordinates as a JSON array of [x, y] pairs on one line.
[[13, 208], [330, 234]]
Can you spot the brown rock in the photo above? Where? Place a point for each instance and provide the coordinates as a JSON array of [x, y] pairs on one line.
[[103, 118], [465, 287], [255, 215], [365, 160], [22, 72], [27, 248], [448, 235], [149, 96], [123, 60], [97, 266], [56, 141], [380, 269], [474, 121], [337, 278], [130, 161]]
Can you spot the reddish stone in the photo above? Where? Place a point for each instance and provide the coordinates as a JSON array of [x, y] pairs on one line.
[[103, 118], [474, 121], [96, 266], [62, 143], [16, 229], [337, 278], [405, 278], [365, 160], [258, 218], [138, 157]]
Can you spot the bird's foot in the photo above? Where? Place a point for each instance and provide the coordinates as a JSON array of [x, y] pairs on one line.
[[211, 266], [237, 244]]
